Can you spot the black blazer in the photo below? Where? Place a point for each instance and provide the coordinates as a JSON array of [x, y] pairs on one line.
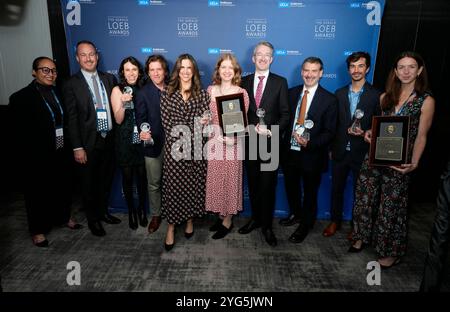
[[369, 102], [33, 128], [148, 109], [81, 122], [323, 112], [274, 100]]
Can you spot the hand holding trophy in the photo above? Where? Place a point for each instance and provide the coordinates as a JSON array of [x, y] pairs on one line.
[[359, 114], [303, 130], [207, 116], [145, 127], [128, 104]]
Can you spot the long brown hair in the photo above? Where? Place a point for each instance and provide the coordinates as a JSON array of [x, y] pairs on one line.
[[236, 67], [174, 82], [393, 84]]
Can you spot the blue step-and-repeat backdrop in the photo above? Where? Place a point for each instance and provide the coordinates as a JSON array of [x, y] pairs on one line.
[[329, 29]]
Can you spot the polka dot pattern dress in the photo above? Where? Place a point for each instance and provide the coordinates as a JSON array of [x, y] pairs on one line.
[[224, 177], [184, 167]]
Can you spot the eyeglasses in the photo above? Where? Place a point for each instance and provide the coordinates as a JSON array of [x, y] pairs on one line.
[[47, 70], [261, 55]]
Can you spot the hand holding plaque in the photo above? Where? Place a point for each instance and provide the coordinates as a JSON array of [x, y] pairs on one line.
[[389, 141], [232, 115]]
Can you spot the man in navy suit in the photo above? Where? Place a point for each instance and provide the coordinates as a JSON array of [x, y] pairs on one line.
[[266, 91], [306, 158], [148, 110], [90, 127], [348, 147]]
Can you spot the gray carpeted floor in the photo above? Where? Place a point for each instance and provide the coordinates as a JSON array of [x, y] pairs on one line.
[[126, 260]]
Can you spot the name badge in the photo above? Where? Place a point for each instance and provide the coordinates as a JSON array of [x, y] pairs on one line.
[[135, 139], [59, 137], [59, 132], [102, 120]]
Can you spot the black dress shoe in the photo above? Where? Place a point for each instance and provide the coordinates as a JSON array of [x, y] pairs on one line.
[[299, 235], [222, 231], [110, 219], [270, 237], [250, 226], [188, 235], [291, 220], [216, 226], [96, 228]]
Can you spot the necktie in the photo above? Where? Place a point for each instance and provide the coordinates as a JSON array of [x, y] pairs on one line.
[[259, 91], [301, 116], [98, 99]]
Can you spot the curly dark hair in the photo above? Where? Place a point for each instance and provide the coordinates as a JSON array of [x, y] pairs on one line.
[[123, 82]]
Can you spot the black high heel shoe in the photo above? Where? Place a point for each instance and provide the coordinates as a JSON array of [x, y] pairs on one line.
[[168, 247], [188, 235], [353, 249]]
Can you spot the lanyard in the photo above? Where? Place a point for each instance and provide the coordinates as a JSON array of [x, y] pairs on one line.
[[104, 102], [400, 111], [51, 111]]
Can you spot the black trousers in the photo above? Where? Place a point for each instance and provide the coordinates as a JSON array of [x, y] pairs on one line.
[[438, 248], [48, 192], [294, 175], [96, 178], [339, 172]]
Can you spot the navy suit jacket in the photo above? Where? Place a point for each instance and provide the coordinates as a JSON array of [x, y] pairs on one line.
[[81, 116], [369, 102], [148, 109], [323, 112]]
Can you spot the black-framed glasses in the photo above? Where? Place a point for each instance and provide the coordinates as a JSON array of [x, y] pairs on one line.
[[47, 70]]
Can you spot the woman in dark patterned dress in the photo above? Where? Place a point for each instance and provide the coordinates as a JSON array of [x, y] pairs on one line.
[[184, 168], [381, 197], [129, 149]]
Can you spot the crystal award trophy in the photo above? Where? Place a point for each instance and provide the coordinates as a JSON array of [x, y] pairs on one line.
[[359, 114], [145, 127], [207, 129], [128, 104]]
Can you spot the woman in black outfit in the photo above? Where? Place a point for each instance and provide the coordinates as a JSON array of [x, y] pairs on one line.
[[129, 149], [43, 154]]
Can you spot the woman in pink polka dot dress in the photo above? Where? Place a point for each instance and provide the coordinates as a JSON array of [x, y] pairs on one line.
[[225, 154]]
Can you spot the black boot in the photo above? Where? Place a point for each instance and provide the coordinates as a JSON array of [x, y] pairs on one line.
[[143, 217], [132, 219]]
